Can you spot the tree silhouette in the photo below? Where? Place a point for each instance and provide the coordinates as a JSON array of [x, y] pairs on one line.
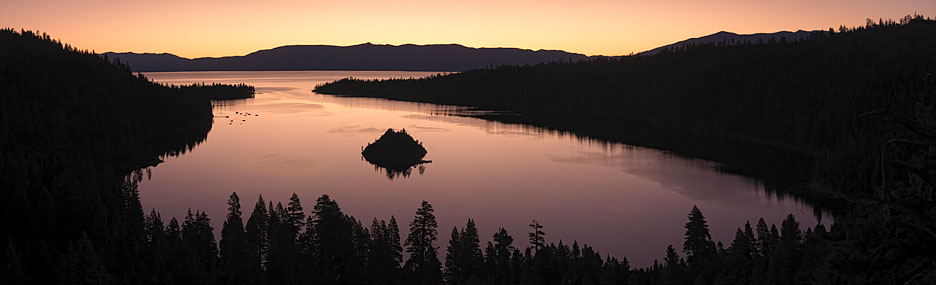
[[385, 252], [463, 259], [423, 266], [698, 245], [233, 245], [257, 239], [536, 236], [334, 241]]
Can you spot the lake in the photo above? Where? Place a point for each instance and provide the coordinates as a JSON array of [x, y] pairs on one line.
[[620, 199]]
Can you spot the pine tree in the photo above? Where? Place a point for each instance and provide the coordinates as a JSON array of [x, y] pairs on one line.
[[673, 271], [698, 245], [454, 273], [471, 250], [423, 265], [233, 245], [499, 256], [295, 215], [463, 258], [536, 236], [157, 250], [199, 243], [257, 238], [786, 259], [334, 241], [281, 257], [764, 245], [381, 260]]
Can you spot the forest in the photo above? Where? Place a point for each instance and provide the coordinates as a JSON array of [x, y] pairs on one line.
[[282, 245], [76, 130], [217, 91], [827, 97], [72, 126]]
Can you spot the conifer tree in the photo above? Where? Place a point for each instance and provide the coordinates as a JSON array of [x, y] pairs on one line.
[[698, 246], [536, 236], [257, 239], [294, 214], [423, 266], [334, 241], [233, 245], [453, 269], [471, 250]]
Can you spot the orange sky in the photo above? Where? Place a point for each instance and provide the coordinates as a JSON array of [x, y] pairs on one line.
[[198, 28]]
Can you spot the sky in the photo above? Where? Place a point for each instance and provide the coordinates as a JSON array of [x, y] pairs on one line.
[[212, 28]]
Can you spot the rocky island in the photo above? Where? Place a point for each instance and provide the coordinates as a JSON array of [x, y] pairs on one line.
[[396, 151]]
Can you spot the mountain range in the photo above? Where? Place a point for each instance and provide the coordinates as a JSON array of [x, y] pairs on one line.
[[408, 57]]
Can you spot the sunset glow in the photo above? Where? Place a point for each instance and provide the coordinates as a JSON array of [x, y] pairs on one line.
[[222, 28]]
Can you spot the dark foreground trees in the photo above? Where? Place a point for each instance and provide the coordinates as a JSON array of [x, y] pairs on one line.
[[72, 127], [335, 248]]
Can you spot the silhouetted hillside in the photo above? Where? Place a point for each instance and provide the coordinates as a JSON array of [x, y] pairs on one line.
[[803, 96], [72, 126], [729, 38], [451, 57]]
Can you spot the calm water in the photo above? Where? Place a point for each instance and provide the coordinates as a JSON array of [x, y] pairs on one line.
[[622, 200]]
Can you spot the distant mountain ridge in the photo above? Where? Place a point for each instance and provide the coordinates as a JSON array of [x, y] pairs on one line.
[[733, 38], [408, 57]]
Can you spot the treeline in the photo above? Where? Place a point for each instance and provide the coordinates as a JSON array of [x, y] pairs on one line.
[[281, 245], [217, 91], [72, 126], [804, 98]]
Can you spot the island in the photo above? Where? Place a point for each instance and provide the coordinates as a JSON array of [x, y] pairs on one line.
[[395, 151]]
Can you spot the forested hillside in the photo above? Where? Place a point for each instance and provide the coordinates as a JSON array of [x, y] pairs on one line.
[[72, 126], [805, 97]]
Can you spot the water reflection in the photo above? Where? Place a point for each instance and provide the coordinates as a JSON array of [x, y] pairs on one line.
[[183, 142], [623, 200], [393, 172]]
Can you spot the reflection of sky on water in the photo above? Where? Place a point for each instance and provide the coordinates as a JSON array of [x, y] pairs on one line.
[[623, 200]]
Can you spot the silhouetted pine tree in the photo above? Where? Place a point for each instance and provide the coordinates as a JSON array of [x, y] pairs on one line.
[[157, 250], [257, 239], [453, 270], [383, 261], [673, 268], [281, 257], [335, 247], [234, 251], [423, 266], [698, 246], [295, 217], [497, 258], [785, 261], [536, 236], [463, 260], [199, 248]]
